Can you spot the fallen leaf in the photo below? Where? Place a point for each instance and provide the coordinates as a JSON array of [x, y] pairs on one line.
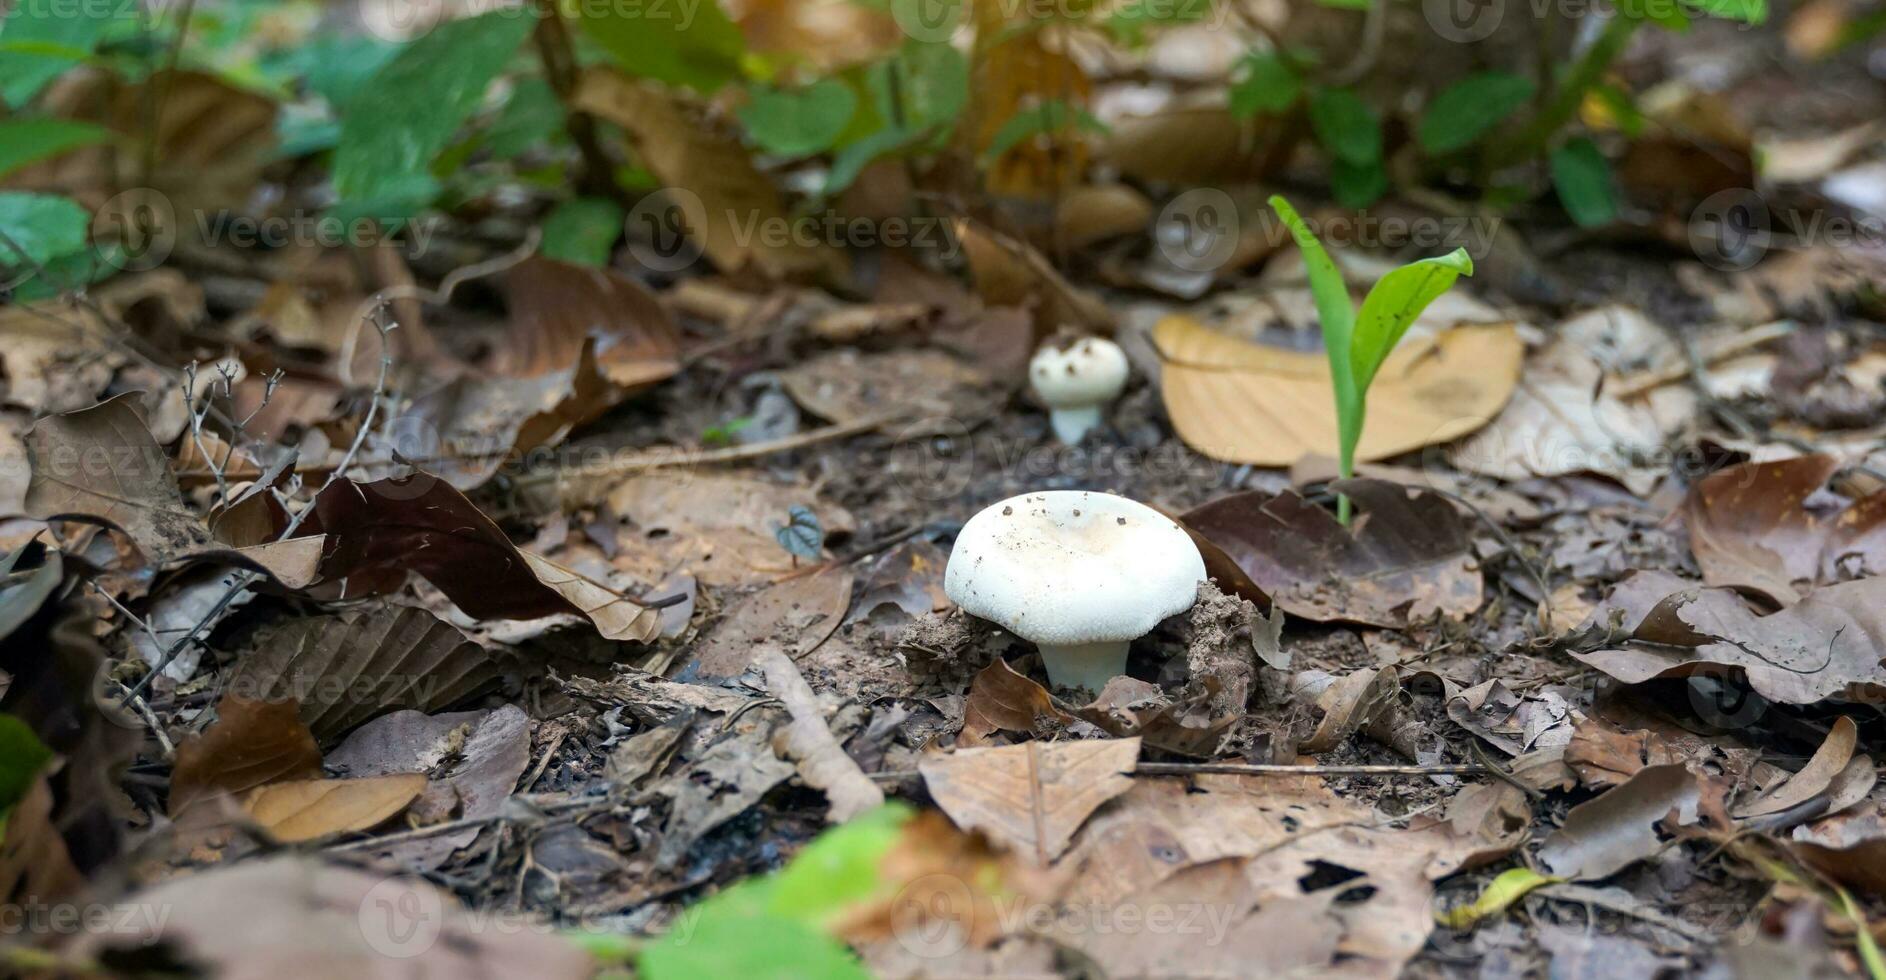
[[1403, 559], [1755, 526], [57, 358], [1030, 797], [34, 861], [1826, 646], [909, 576], [472, 759], [378, 532], [310, 809], [808, 741], [798, 613], [1511, 723], [1604, 756], [346, 667], [1505, 889], [252, 743], [1604, 836], [1010, 273], [848, 386], [1814, 779], [1002, 700], [290, 915], [719, 784], [719, 528], [688, 152], [100, 464], [556, 308], [1267, 406], [1093, 213]]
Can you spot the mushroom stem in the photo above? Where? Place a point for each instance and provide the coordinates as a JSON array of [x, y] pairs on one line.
[[1088, 665], [1070, 424]]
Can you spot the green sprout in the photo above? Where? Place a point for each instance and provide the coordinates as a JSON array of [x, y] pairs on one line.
[[1358, 343]]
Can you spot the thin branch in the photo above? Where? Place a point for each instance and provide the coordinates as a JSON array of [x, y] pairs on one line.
[[1243, 769]]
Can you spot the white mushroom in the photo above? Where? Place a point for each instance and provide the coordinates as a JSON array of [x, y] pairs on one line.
[[1079, 574], [1076, 381]]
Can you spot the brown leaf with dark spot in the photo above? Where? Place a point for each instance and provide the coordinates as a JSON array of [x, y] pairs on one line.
[[1404, 558], [378, 532], [1002, 700], [1753, 527], [1030, 797], [252, 743]]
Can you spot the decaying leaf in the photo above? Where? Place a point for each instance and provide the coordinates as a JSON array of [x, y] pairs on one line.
[[309, 809], [351, 665], [1002, 700], [34, 861], [1608, 834], [1404, 559], [1755, 526], [718, 528], [1012, 273], [1030, 797], [252, 743], [1827, 646], [849, 386], [798, 613], [1814, 783], [101, 464], [1247, 403], [380, 531], [720, 783]]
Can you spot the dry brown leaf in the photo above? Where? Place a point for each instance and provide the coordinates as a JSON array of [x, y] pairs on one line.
[[1010, 69], [378, 532], [848, 386], [1606, 835], [1002, 700], [1247, 403], [1012, 273], [824, 36], [354, 664], [252, 743], [101, 464], [34, 862], [716, 527], [291, 915], [1186, 146], [798, 613], [1094, 213], [309, 809], [1030, 797], [1755, 526], [1405, 557], [57, 358], [688, 152], [557, 307], [809, 742], [1814, 779]]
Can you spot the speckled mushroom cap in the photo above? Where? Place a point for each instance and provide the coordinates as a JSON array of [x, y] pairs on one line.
[[1090, 371], [1061, 567]]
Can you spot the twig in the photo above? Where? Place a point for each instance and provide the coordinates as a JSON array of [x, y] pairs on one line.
[[551, 807], [1747, 340], [1582, 895], [1243, 769]]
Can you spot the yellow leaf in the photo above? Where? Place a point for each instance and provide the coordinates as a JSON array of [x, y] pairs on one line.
[[307, 809], [1501, 893], [1249, 403]]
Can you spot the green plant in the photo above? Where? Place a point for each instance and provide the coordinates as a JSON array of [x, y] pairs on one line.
[[1359, 341]]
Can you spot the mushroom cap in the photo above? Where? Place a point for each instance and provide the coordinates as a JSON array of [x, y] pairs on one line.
[[1059, 567], [1090, 371]]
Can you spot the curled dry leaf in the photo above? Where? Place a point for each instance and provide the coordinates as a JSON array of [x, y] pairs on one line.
[[1606, 835], [294, 916], [309, 809], [1754, 526], [1250, 403], [1012, 273], [252, 743], [1002, 700], [1404, 558], [1030, 797], [799, 614], [557, 307], [1827, 646], [1817, 782], [349, 666], [380, 531]]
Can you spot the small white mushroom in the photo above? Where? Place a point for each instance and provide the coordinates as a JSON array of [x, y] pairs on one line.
[[1079, 574], [1076, 381]]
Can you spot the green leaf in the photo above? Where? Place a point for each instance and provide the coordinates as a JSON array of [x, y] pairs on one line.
[[801, 122], [840, 868], [45, 37], [1669, 16], [335, 67], [1052, 116], [1267, 85], [1509, 887], [24, 141], [532, 116], [752, 947], [1346, 126], [1393, 305], [933, 80], [22, 756], [582, 231], [414, 104], [1334, 309], [1357, 185], [689, 44], [1466, 110], [1747, 11], [1583, 179], [45, 226]]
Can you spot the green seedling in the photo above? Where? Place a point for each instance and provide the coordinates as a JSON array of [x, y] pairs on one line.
[[1358, 342]]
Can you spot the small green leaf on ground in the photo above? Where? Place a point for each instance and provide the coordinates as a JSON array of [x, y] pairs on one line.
[[699, 49], [1501, 893], [1346, 126], [1466, 110], [1267, 85], [1583, 178], [798, 122], [43, 226], [582, 231], [24, 141]]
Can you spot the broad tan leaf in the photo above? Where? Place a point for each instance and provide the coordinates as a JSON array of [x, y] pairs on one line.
[[1248, 403], [1755, 526], [1031, 797], [690, 152], [1002, 700], [102, 465], [1606, 835], [309, 809], [252, 743]]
